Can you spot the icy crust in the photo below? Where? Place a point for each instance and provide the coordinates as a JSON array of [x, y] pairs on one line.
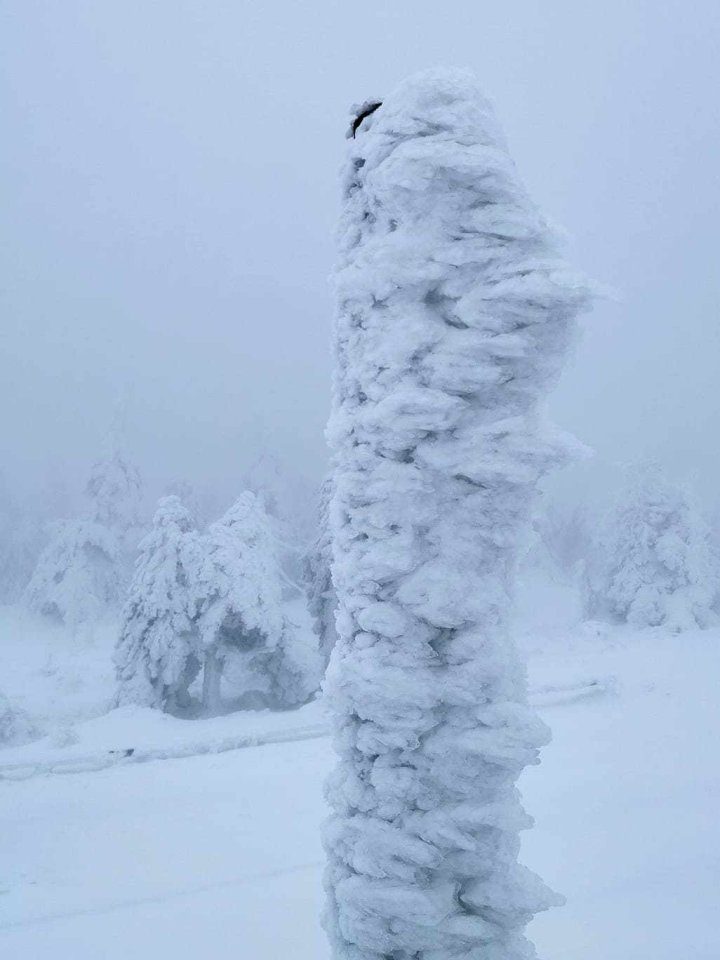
[[455, 312]]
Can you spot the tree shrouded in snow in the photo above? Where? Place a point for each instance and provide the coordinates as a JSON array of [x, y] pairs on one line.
[[248, 635], [114, 491], [114, 495], [655, 565], [206, 628], [455, 312], [23, 536], [77, 579], [287, 500], [157, 656], [83, 572], [317, 574]]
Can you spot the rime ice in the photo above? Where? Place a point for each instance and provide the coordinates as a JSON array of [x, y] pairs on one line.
[[455, 312]]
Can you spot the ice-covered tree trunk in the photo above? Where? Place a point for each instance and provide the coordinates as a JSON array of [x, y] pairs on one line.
[[455, 312], [317, 574], [212, 675]]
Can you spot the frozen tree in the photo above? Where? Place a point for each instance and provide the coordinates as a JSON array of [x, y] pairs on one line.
[[24, 521], [205, 627], [454, 315], [82, 574], [244, 627], [76, 580], [559, 543], [655, 565], [317, 574], [567, 533], [194, 500], [536, 556], [267, 478], [22, 539], [114, 498], [114, 491], [288, 502], [158, 652]]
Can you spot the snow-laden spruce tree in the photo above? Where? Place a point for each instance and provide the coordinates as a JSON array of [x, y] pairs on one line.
[[287, 501], [77, 580], [193, 499], [22, 539], [317, 575], [158, 652], [83, 572], [114, 490], [455, 313], [267, 478], [114, 498], [655, 564], [244, 627], [567, 533]]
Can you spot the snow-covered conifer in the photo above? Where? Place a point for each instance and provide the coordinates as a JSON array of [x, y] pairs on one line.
[[82, 574], [655, 564], [245, 631], [567, 533], [193, 499], [455, 311], [317, 575], [24, 531], [114, 498], [76, 580], [267, 478], [288, 502], [114, 490], [22, 539], [158, 651]]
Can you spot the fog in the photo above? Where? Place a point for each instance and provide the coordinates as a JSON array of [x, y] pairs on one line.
[[169, 193]]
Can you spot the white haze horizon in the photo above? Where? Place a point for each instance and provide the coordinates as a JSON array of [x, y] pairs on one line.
[[170, 190]]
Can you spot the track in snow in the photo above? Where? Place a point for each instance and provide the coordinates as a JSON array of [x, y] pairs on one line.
[[542, 697]]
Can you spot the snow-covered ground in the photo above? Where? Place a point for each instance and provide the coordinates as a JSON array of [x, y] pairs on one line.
[[56, 678], [218, 854]]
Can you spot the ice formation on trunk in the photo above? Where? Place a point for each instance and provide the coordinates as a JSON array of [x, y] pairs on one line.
[[455, 312], [317, 575]]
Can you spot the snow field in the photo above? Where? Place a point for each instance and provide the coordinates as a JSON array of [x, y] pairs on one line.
[[219, 855]]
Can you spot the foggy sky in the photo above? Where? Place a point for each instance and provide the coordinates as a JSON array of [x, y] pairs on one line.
[[169, 189]]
